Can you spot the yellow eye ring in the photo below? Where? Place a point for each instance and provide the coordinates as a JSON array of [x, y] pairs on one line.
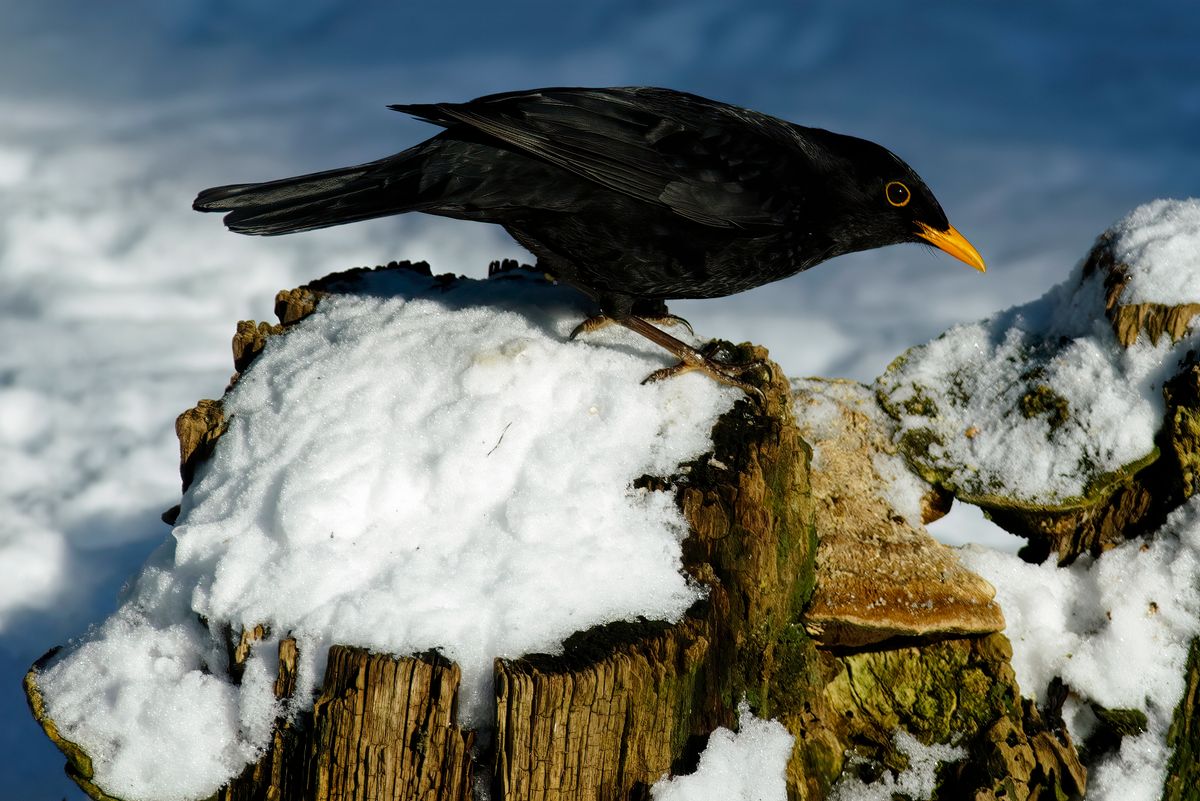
[[897, 194]]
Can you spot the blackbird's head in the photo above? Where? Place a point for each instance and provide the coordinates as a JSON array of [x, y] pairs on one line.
[[882, 201]]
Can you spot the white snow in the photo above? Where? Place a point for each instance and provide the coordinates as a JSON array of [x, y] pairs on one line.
[[145, 696], [747, 765], [916, 783], [1116, 629], [1160, 242], [978, 374], [409, 468]]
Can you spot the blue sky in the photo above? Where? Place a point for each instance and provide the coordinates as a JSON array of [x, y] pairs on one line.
[[1037, 125]]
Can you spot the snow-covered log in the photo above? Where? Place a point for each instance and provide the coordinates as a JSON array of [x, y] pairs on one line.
[[430, 548]]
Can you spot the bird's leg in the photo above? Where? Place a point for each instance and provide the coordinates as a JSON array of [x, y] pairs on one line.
[[599, 321], [649, 309], [691, 359]]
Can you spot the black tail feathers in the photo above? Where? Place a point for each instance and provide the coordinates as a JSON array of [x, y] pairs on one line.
[[317, 200]]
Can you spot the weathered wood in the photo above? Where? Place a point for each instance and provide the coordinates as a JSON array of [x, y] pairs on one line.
[[381, 728], [624, 704], [198, 430], [961, 690], [605, 730], [879, 577], [282, 771], [890, 609], [249, 340], [384, 728]]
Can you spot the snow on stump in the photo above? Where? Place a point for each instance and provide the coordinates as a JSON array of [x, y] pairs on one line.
[[424, 465], [1074, 420], [429, 546]]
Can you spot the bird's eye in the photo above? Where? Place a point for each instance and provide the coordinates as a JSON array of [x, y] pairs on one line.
[[897, 194]]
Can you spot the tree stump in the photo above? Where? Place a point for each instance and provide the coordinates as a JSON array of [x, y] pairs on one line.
[[628, 703], [380, 728], [624, 703]]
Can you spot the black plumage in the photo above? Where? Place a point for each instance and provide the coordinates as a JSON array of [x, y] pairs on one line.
[[629, 194]]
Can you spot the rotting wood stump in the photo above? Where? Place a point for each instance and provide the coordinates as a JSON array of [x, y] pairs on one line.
[[380, 728], [627, 703], [623, 704]]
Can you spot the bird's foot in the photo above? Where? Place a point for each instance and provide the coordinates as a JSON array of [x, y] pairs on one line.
[[733, 374], [599, 321]]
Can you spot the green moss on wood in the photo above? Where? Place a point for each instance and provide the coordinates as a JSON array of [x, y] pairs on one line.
[[1181, 433], [957, 691], [919, 403], [1042, 401], [1183, 738], [916, 445], [1124, 722]]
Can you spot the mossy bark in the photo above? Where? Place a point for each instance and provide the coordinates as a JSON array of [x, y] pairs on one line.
[[1183, 772], [962, 691], [1131, 503]]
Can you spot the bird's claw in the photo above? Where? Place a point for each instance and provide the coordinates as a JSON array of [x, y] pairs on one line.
[[731, 374], [672, 320]]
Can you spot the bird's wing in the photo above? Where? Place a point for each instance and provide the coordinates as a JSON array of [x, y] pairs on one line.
[[711, 163]]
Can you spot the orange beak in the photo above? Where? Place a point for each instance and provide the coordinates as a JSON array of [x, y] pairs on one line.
[[953, 243]]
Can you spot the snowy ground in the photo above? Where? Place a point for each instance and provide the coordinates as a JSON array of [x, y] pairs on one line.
[[1036, 127]]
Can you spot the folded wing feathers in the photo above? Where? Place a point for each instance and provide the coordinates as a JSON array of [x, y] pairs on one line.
[[607, 138]]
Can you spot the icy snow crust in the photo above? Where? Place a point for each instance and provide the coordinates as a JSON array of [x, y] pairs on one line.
[[411, 467], [987, 441], [1117, 630], [1160, 242], [747, 765]]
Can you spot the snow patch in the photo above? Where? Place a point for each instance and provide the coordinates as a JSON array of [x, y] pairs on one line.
[[1117, 630], [412, 467], [917, 782], [747, 765], [1160, 243]]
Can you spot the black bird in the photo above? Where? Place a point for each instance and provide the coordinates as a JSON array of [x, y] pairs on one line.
[[633, 195]]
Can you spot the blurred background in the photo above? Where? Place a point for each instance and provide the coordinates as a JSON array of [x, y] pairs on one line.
[[1037, 125]]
